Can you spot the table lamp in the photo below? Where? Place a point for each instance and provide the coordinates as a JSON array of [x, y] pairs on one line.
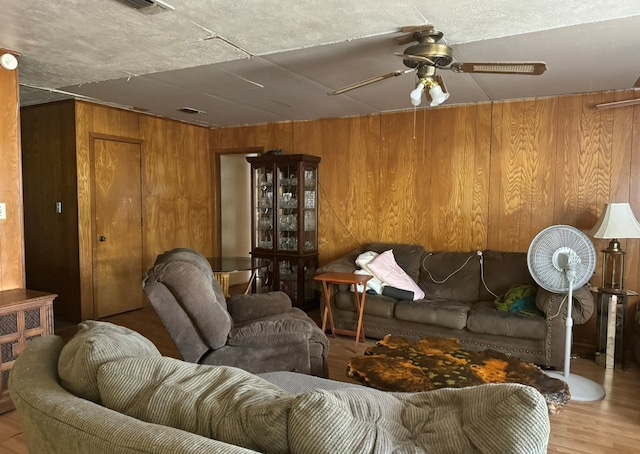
[[617, 221]]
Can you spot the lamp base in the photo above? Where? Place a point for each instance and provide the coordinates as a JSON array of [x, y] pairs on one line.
[[582, 389]]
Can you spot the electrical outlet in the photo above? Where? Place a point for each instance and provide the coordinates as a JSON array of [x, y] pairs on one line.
[[3, 211], [58, 207]]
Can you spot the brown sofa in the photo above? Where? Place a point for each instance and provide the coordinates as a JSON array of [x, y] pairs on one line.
[[460, 292]]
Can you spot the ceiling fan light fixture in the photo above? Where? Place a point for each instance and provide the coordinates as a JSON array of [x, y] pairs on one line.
[[436, 93], [416, 94]]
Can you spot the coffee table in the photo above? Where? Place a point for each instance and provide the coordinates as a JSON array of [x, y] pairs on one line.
[[396, 364]]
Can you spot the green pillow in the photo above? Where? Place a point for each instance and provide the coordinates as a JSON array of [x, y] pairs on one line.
[[520, 298]]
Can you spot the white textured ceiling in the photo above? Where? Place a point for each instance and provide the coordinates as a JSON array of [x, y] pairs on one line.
[[246, 62]]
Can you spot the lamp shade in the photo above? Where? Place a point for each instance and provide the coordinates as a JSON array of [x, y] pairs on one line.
[[617, 221]]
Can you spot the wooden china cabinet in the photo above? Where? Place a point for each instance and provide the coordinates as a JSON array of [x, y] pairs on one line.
[[284, 225]]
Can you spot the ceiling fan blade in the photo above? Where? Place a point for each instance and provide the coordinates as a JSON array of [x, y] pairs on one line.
[[410, 33], [524, 68], [610, 105], [416, 28], [418, 58], [362, 83]]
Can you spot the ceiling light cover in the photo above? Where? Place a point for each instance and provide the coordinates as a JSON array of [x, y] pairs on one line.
[[8, 62], [416, 94], [437, 95]]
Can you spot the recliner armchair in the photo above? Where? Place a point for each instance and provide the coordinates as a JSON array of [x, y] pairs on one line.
[[259, 332]]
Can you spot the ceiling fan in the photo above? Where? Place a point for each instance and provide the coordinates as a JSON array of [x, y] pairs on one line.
[[432, 54]]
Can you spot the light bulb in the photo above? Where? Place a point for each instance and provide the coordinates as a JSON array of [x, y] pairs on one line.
[[437, 95], [416, 94]]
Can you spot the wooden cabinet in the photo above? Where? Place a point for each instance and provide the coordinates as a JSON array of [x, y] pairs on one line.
[[284, 226], [24, 315]]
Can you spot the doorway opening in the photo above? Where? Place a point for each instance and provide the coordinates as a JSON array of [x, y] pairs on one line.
[[235, 209]]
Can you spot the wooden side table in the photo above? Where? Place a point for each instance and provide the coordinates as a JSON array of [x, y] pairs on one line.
[[24, 315], [328, 281]]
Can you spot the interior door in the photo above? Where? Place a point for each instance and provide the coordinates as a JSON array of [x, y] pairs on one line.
[[117, 270]]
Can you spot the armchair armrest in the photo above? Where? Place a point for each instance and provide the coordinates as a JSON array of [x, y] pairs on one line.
[[243, 308], [270, 332], [583, 304]]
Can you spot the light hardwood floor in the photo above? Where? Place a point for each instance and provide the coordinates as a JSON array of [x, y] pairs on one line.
[[608, 426]]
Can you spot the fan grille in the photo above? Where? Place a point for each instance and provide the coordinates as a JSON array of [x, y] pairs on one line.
[[542, 257]]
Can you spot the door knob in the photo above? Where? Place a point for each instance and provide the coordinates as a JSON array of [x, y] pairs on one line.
[[102, 238]]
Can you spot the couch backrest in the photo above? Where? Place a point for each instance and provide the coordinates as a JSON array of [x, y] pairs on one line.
[[408, 256], [459, 276], [502, 270], [57, 422], [450, 276]]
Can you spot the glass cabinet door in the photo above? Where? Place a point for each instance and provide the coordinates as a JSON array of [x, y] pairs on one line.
[[309, 236], [295, 277], [263, 207], [288, 212]]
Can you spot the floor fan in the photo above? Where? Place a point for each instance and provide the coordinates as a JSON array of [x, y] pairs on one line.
[[562, 258]]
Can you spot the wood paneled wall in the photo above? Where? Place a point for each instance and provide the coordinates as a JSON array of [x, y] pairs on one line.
[[12, 273], [460, 178], [176, 193], [178, 207]]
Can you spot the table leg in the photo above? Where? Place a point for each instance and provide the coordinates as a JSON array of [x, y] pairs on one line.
[[223, 280], [250, 283], [610, 361], [360, 301], [327, 288]]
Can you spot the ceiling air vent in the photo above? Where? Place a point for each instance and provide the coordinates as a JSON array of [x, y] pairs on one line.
[[191, 111], [149, 6]]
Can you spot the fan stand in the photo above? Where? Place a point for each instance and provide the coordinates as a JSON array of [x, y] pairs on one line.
[[582, 389]]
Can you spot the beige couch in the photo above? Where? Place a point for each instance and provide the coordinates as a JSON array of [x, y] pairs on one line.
[[460, 289], [126, 398]]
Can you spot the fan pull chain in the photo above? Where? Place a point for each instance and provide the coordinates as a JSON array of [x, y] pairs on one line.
[[415, 111]]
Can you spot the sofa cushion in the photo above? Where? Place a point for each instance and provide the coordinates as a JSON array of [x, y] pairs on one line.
[[443, 421], [485, 318], [219, 402], [385, 268], [501, 271], [448, 314], [408, 256], [451, 276], [94, 344]]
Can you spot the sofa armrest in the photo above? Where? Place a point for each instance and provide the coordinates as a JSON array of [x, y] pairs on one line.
[[343, 264], [243, 308], [270, 332], [583, 304]]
